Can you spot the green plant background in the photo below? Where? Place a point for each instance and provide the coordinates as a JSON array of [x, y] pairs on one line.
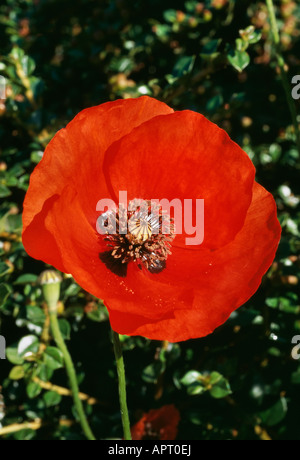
[[215, 57]]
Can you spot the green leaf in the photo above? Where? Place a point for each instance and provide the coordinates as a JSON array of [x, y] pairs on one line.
[[170, 15], [191, 5], [16, 170], [53, 358], [5, 291], [239, 60], [214, 103], [292, 227], [4, 191], [196, 388], [210, 48], [288, 304], [194, 417], [4, 269], [44, 372], [26, 278], [33, 389], [250, 35], [17, 53], [17, 373], [272, 302], [144, 90], [36, 156], [191, 377], [28, 345], [255, 37], [275, 414], [28, 65], [14, 222], [11, 181], [273, 351], [72, 290], [121, 64], [275, 151], [35, 315], [220, 386], [65, 328], [295, 377], [240, 45], [51, 398], [13, 355], [25, 435], [151, 373], [183, 66], [162, 31], [98, 313]]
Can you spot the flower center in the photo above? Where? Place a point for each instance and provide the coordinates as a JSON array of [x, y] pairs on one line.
[[142, 234]]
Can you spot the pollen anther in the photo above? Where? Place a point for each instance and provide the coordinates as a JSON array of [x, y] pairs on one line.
[[148, 240]]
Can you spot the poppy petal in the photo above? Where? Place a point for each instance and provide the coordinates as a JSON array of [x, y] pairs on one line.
[[157, 424], [80, 246], [185, 156], [75, 156], [153, 154], [223, 282]]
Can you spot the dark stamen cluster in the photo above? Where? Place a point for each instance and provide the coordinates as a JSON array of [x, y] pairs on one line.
[[147, 241]]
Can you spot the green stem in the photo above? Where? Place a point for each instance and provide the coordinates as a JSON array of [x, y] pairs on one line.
[[282, 66], [274, 25], [122, 385], [71, 373]]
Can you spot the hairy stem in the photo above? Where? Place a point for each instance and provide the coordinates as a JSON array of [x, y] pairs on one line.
[[71, 373], [122, 385]]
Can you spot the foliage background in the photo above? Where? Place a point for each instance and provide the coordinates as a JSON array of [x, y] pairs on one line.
[[60, 56]]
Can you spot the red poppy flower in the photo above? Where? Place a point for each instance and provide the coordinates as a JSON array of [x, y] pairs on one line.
[[160, 424], [143, 147]]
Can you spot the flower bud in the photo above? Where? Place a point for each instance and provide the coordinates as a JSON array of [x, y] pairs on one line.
[[50, 281]]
